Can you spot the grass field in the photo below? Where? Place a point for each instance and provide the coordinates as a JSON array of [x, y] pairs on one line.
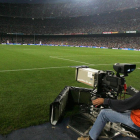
[[32, 76]]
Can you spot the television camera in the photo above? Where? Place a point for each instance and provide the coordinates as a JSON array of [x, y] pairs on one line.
[[105, 84]]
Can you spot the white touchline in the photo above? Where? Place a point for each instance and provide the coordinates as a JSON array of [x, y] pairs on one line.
[[34, 69], [113, 64], [52, 68], [69, 60], [92, 55], [56, 57], [99, 64], [44, 68]]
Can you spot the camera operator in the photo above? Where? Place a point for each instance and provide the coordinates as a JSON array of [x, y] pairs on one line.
[[120, 111]]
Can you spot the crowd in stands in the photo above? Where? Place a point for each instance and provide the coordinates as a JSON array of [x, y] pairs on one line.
[[119, 21], [66, 8], [111, 42]]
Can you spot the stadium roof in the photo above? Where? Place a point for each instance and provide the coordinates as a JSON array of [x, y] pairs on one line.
[[32, 1]]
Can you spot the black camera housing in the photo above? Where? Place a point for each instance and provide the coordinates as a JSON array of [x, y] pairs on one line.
[[124, 68]]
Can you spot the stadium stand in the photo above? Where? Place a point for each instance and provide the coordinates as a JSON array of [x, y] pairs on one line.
[[66, 9], [119, 21], [27, 21]]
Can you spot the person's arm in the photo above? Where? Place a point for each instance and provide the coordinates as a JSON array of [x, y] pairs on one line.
[[98, 101], [120, 105]]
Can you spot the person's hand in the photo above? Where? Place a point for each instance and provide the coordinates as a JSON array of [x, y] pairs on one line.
[[98, 101]]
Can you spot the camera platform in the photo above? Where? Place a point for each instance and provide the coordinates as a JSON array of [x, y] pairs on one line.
[[81, 124]]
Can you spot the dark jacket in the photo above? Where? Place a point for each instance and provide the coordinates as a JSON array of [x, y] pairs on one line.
[[131, 103]]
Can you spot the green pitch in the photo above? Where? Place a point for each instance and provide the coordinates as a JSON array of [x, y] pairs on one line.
[[31, 77]]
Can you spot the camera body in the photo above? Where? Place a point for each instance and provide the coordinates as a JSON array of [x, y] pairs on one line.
[[105, 81]]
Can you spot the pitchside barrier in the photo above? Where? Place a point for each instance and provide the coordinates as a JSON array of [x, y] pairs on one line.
[[72, 46]]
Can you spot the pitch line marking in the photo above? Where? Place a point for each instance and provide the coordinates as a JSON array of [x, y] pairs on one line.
[[113, 64], [81, 61], [50, 68], [69, 60], [34, 69], [44, 68], [93, 55]]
